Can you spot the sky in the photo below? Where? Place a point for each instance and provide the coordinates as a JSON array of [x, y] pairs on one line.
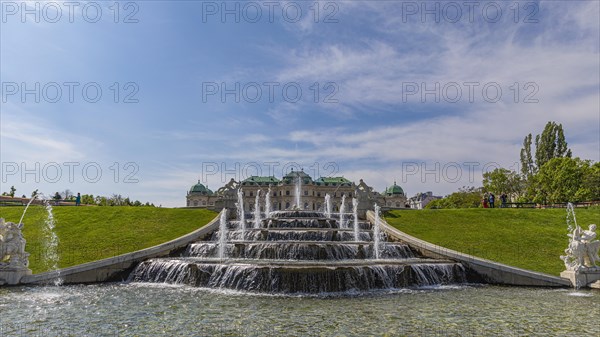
[[146, 98]]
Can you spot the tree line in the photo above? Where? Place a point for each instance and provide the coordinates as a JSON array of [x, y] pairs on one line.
[[548, 174], [87, 199]]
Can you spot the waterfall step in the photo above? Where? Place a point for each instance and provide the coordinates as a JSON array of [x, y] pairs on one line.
[[299, 250], [301, 229], [320, 243], [290, 279], [302, 263]]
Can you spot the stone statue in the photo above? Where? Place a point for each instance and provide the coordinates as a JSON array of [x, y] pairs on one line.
[[12, 246], [582, 253]]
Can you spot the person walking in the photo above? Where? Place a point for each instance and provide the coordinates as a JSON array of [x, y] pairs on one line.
[[492, 199], [484, 202], [503, 199], [78, 199]]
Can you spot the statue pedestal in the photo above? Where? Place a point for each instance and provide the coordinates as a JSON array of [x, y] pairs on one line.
[[582, 278], [12, 275]]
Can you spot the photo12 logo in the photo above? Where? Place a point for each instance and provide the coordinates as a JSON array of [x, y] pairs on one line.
[[450, 172], [53, 172], [471, 92], [269, 11], [69, 92], [469, 11], [271, 92], [69, 11]]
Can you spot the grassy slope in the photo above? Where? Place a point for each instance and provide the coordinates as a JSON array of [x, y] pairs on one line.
[[526, 238], [92, 233]]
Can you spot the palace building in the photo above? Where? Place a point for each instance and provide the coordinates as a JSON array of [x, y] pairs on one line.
[[283, 193]]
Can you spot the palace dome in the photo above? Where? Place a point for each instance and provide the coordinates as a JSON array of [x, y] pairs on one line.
[[394, 190], [201, 189]]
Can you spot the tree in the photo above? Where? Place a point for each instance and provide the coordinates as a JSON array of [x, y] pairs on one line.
[[527, 165], [67, 194], [88, 199], [566, 180], [12, 191], [34, 193], [116, 200], [466, 197], [503, 180], [56, 196], [550, 144]]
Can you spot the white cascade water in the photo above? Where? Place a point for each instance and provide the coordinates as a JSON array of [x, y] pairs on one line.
[[342, 210], [257, 218], [268, 203], [51, 255], [571, 219], [327, 205], [298, 191], [376, 232], [355, 216], [223, 234], [240, 212], [26, 207]]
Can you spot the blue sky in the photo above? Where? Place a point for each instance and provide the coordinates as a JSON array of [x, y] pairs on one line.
[[369, 56]]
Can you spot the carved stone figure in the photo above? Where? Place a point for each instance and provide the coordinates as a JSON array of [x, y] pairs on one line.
[[12, 246], [582, 253]]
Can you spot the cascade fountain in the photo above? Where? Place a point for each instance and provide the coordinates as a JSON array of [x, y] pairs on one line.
[[298, 252], [223, 234], [376, 232], [257, 217], [342, 211], [241, 215], [327, 205], [355, 217], [298, 191], [268, 203]]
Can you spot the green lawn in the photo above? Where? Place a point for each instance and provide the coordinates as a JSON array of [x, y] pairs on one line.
[[526, 238], [92, 233]]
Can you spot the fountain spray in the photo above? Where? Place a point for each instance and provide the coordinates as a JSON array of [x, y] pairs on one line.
[[257, 210]]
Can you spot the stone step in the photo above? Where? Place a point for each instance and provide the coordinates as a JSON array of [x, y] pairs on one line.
[[305, 263]]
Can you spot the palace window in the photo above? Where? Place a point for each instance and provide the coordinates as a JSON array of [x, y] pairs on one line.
[[287, 192]]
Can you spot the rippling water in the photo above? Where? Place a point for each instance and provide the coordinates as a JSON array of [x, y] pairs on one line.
[[159, 310]]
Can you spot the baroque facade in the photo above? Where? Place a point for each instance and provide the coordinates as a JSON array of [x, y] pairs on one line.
[[283, 193]]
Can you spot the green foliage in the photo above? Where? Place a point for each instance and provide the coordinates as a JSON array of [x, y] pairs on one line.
[[526, 238], [503, 180], [466, 197], [527, 165], [91, 233], [550, 144], [12, 191], [566, 180]]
